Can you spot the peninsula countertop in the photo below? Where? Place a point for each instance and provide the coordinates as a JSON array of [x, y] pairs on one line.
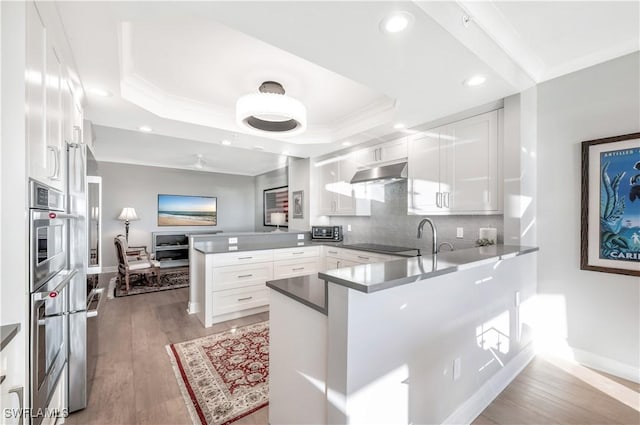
[[309, 290], [389, 274]]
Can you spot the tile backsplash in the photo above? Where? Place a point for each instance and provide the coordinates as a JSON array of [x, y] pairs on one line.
[[389, 224]]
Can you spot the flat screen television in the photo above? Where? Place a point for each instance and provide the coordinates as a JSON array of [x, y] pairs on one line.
[[184, 210]]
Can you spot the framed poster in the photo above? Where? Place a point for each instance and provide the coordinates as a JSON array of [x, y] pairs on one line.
[[298, 203], [610, 216], [276, 200]]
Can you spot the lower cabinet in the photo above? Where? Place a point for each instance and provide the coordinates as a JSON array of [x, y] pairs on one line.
[[336, 258], [235, 281], [234, 300]]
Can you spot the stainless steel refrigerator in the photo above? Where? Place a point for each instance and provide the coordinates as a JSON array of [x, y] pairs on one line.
[[78, 260]]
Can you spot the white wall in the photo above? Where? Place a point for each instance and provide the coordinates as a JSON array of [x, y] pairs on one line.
[[601, 311], [275, 178], [138, 186], [299, 180], [14, 277]]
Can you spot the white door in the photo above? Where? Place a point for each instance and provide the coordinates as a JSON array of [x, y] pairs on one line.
[[327, 176], [55, 146], [424, 173], [473, 160], [35, 75]]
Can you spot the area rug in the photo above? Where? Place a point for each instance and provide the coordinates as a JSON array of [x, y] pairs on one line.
[[225, 376], [169, 279]]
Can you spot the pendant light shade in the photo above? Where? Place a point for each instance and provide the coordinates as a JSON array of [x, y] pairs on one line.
[[271, 111]]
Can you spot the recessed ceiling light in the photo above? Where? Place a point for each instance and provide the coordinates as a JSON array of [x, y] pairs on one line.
[[226, 142], [145, 128], [100, 92], [346, 143], [398, 125], [396, 22], [476, 80]]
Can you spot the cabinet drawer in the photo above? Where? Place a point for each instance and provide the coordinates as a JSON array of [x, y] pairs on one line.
[[233, 300], [333, 252], [246, 257], [364, 257], [229, 277], [301, 267], [299, 252]]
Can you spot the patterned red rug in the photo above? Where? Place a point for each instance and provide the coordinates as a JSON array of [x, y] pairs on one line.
[[224, 377]]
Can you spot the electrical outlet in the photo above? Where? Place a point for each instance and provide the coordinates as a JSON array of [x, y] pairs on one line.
[[348, 227], [457, 364], [459, 232]]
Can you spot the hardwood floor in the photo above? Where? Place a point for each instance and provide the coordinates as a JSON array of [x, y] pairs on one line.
[[135, 384]]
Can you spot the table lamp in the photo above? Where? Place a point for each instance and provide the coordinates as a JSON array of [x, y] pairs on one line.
[[128, 214], [278, 220]]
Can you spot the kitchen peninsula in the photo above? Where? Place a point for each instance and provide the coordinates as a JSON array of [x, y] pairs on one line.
[[413, 340]]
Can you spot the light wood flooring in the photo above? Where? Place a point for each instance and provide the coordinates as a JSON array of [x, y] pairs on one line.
[[135, 384]]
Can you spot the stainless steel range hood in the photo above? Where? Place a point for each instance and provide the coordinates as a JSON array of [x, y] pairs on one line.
[[384, 173]]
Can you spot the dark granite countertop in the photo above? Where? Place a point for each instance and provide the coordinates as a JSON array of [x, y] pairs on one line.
[[7, 333], [309, 290], [378, 276]]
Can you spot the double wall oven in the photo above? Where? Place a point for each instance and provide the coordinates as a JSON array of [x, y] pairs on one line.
[[49, 283]]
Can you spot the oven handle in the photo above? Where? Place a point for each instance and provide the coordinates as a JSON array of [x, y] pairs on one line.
[[52, 215], [43, 321], [95, 292], [39, 296]]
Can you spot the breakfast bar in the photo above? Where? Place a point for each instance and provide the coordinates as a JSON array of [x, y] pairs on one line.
[[409, 340]]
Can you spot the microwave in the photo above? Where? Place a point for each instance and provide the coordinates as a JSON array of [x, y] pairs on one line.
[[331, 233]]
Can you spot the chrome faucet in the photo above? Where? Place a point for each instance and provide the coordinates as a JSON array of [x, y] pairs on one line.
[[434, 236]]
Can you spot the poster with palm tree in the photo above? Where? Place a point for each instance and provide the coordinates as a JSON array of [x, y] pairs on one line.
[[611, 205]]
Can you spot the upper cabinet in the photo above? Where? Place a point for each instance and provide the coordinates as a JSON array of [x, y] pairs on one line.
[[386, 152], [335, 194], [40, 162], [53, 116], [455, 169]]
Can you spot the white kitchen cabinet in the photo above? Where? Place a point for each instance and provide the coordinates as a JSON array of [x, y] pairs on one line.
[[394, 150], [336, 258], [235, 282], [54, 116], [455, 169], [38, 155], [336, 195]]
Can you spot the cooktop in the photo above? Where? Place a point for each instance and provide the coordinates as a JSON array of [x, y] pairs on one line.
[[384, 249]]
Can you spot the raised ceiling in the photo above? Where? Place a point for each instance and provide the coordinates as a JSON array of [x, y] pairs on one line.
[[179, 66]]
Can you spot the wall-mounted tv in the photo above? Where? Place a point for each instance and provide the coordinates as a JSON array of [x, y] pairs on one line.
[[184, 210]]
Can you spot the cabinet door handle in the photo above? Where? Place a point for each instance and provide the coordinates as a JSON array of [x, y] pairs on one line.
[[364, 258], [245, 258], [298, 253], [77, 133], [244, 299], [297, 269], [438, 203], [332, 252], [338, 264], [446, 199], [56, 163], [244, 275]]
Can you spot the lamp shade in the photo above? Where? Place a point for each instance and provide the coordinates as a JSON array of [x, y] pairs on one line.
[[277, 219], [128, 214]]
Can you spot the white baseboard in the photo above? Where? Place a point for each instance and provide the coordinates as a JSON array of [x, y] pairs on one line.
[[607, 365], [193, 307], [469, 410]]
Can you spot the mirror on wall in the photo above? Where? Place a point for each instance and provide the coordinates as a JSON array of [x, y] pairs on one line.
[[94, 204]]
